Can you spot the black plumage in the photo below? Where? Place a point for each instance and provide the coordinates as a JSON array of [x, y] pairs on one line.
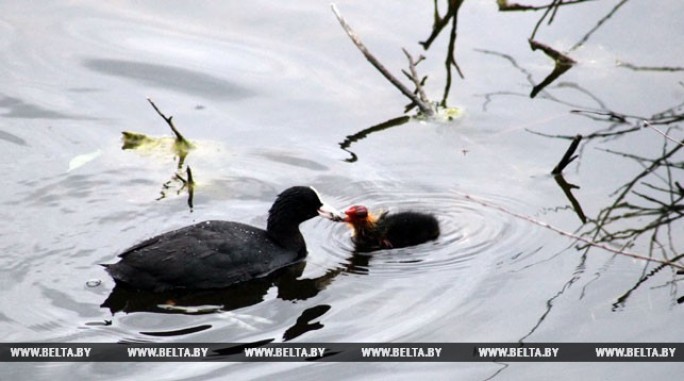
[[217, 254], [390, 231]]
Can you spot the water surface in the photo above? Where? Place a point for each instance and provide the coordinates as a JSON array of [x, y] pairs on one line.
[[275, 95]]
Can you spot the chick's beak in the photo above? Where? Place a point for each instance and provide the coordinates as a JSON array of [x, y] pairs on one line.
[[331, 213]]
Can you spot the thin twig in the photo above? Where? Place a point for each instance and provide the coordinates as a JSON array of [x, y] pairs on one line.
[[598, 25], [191, 187], [439, 24], [424, 108], [546, 13], [454, 7], [570, 235], [560, 58], [630, 66], [350, 139], [567, 190], [414, 75], [168, 120], [568, 156], [648, 125], [504, 6]]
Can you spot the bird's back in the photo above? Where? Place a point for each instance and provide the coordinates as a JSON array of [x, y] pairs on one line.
[[210, 254], [409, 228]]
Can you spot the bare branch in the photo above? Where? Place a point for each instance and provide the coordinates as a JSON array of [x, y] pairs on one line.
[[668, 137], [424, 108], [571, 235], [568, 156], [504, 6], [414, 75], [168, 120]]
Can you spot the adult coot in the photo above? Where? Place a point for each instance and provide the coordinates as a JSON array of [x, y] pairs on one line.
[[217, 254], [388, 231]]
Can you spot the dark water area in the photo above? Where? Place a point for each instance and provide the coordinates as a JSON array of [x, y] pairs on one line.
[[275, 94]]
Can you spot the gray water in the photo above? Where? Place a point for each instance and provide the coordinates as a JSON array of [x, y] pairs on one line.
[[270, 94]]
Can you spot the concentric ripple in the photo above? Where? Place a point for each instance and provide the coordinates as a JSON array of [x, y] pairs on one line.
[[470, 233]]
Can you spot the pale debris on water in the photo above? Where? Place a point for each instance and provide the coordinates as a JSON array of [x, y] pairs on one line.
[[443, 115], [245, 321], [82, 160], [191, 309], [450, 113], [93, 283]]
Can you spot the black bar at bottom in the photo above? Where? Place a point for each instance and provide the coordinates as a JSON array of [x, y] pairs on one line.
[[266, 351]]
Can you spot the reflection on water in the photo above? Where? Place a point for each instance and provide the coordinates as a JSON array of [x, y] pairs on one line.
[[304, 322], [199, 302], [351, 139], [170, 77], [643, 212], [467, 231], [279, 87], [451, 15], [17, 108]]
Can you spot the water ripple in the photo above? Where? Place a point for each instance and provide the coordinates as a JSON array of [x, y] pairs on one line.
[[471, 235]]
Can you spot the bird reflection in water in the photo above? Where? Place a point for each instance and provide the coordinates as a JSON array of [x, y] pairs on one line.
[[125, 299]]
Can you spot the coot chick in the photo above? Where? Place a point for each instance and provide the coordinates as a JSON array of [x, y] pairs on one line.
[[217, 254], [390, 231]]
